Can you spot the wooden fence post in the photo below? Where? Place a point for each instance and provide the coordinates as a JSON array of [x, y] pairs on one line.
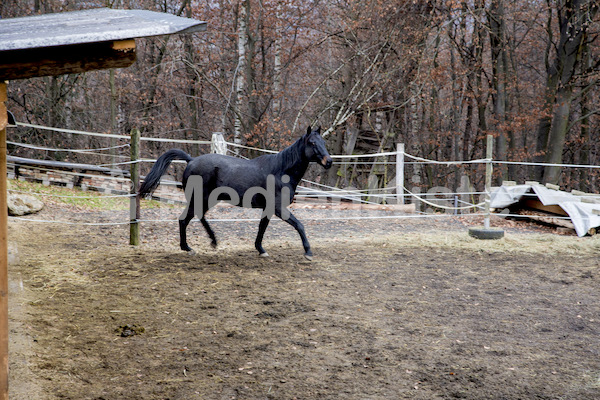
[[218, 144], [400, 173], [134, 200], [488, 179]]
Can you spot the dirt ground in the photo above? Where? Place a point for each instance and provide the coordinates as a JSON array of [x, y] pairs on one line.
[[388, 309]]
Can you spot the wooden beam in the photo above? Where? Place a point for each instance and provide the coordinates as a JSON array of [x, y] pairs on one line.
[[3, 249], [65, 165], [72, 59]]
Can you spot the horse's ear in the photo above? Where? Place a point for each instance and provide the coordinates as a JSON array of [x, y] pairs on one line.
[[318, 130], [308, 130]]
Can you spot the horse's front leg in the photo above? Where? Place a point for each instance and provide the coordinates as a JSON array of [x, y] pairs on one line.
[[262, 227], [293, 221]]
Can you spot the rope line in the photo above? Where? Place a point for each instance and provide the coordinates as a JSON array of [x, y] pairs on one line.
[[348, 156], [251, 148], [83, 151], [151, 139], [109, 135], [442, 206], [347, 218], [72, 131], [50, 221], [545, 164], [448, 163], [405, 216]]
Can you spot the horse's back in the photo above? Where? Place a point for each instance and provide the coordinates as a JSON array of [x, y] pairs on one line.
[[224, 170]]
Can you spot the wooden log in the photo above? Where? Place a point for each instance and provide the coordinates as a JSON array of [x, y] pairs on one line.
[[66, 166]]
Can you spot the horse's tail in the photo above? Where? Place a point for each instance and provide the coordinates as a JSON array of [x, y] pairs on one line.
[[158, 170]]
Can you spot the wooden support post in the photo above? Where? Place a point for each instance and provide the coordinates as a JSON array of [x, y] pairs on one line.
[[488, 179], [113, 117], [3, 249], [218, 144], [400, 173], [134, 200]]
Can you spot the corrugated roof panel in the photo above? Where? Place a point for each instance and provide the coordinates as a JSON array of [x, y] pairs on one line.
[[89, 26]]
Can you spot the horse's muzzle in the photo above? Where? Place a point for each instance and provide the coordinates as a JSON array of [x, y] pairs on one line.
[[326, 162]]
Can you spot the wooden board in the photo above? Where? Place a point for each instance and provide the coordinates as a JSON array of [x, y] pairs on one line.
[[535, 204]]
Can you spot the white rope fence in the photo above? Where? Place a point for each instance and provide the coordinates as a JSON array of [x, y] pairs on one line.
[[83, 151], [339, 157], [235, 220], [311, 189]]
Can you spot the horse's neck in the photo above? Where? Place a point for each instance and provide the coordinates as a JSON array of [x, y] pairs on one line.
[[293, 162]]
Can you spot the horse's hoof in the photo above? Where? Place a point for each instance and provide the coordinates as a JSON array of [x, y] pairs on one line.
[[191, 252], [309, 257], [213, 245], [265, 254]]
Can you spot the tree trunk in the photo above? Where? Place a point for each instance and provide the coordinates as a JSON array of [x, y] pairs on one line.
[[277, 67], [192, 96], [584, 151], [573, 17], [545, 121], [498, 43], [240, 86], [558, 132], [480, 96]]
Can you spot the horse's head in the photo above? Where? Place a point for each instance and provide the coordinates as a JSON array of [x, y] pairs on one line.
[[315, 149]]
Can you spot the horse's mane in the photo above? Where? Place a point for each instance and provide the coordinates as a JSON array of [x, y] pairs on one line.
[[291, 155]]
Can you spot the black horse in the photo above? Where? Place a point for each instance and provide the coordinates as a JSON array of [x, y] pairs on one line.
[[267, 182]]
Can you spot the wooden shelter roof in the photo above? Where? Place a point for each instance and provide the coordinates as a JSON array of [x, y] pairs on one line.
[[89, 26], [80, 41]]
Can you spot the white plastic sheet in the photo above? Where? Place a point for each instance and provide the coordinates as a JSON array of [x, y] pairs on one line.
[[581, 213]]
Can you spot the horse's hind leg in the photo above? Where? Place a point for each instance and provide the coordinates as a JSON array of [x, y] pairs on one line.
[[210, 232], [262, 227], [183, 223]]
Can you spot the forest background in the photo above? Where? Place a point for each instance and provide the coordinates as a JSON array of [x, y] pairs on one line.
[[435, 75]]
